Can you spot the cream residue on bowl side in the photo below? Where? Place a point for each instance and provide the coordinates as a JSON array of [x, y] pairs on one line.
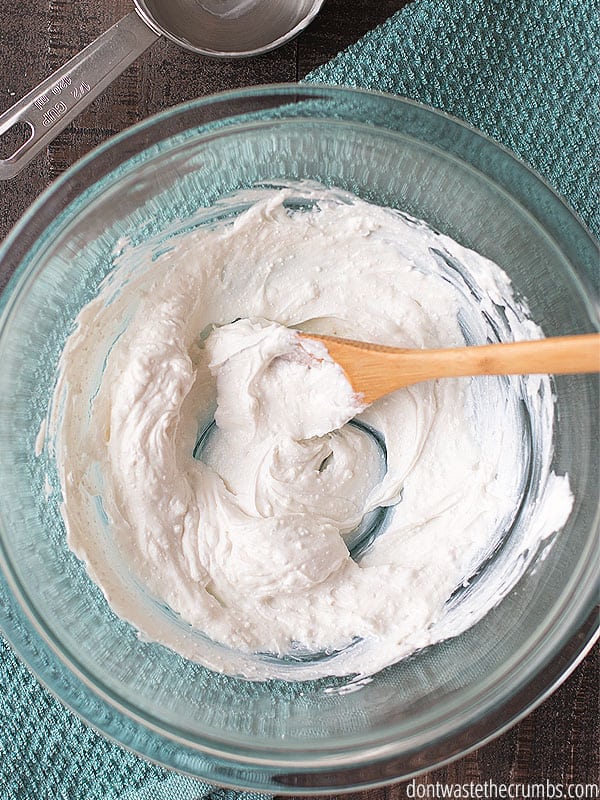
[[248, 537]]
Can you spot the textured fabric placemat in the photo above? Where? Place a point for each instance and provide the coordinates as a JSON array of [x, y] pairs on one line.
[[47, 753], [523, 71]]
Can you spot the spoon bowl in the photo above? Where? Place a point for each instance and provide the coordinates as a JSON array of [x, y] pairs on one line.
[[228, 28]]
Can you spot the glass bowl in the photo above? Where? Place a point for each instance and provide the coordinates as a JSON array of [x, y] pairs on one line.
[[278, 736]]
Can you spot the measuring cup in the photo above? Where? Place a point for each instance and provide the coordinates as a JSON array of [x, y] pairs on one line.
[[220, 28]]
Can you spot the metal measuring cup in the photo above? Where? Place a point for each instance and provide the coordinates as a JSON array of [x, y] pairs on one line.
[[219, 28]]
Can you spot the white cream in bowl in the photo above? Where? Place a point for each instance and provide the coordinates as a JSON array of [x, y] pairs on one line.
[[302, 528]]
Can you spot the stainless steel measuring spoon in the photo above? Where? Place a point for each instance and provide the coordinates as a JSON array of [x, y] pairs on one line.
[[219, 28]]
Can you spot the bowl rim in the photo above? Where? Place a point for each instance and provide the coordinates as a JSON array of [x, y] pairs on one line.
[[12, 243], [281, 89]]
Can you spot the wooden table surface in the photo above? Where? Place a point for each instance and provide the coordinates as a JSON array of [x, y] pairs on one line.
[[558, 742]]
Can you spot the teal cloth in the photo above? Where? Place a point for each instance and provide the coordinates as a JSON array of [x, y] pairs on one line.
[[47, 753], [523, 71]]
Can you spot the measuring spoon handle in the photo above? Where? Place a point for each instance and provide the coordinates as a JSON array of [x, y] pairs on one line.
[[55, 102]]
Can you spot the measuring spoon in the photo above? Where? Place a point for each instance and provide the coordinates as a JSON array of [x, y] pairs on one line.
[[219, 28]]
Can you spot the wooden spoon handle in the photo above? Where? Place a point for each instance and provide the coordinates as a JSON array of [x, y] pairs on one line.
[[560, 355], [375, 370]]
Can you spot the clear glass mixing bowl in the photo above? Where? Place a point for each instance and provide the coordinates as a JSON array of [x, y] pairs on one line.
[[277, 736]]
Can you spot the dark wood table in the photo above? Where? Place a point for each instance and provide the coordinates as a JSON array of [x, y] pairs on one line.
[[559, 742]]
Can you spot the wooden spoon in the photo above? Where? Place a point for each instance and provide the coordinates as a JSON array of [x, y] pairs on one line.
[[374, 370]]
